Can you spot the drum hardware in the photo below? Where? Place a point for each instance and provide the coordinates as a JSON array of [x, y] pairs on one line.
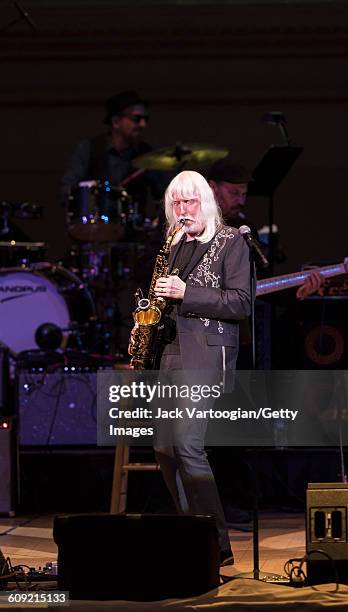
[[5, 215], [20, 210], [97, 211], [49, 336], [91, 261], [105, 263], [72, 287], [94, 335], [14, 253], [193, 155]]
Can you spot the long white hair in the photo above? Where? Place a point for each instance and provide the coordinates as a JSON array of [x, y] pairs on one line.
[[188, 185]]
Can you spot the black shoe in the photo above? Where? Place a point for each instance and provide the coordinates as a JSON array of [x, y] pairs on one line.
[[226, 558]]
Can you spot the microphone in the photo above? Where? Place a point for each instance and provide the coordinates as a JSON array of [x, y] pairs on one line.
[[253, 244], [25, 15]]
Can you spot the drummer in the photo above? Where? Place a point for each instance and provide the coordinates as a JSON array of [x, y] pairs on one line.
[[108, 156]]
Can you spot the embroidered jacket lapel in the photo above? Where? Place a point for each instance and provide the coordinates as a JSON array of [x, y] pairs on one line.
[[200, 251], [173, 253]]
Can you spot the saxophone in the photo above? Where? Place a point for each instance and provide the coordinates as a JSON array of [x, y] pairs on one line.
[[146, 334]]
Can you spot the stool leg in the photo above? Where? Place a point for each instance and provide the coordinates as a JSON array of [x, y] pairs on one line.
[[119, 481]]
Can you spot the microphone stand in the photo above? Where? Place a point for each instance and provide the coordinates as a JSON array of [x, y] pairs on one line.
[[23, 15], [256, 552], [256, 573], [252, 313]]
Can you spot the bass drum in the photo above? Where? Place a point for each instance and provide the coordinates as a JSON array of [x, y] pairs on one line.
[[44, 293]]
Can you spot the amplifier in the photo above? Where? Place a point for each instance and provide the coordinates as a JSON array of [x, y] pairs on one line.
[[323, 333], [8, 466], [326, 532], [4, 381], [57, 409]]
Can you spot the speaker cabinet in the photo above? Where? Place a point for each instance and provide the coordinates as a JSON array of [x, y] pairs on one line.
[[326, 530], [8, 466], [139, 557], [57, 409], [4, 382], [323, 338]]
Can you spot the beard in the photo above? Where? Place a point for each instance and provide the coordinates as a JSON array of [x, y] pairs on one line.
[[194, 228]]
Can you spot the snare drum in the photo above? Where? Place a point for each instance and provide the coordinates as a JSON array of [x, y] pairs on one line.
[[43, 294]]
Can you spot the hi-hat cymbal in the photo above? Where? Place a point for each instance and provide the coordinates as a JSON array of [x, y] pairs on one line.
[[180, 156]]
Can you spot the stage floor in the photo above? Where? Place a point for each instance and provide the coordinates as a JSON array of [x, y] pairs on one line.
[[28, 540]]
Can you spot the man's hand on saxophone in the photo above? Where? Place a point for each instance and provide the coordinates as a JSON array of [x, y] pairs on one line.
[[170, 286]]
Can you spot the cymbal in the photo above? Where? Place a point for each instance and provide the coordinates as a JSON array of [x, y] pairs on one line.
[[180, 156], [12, 244], [96, 231]]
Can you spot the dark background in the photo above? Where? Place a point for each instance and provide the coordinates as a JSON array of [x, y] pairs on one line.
[[210, 71]]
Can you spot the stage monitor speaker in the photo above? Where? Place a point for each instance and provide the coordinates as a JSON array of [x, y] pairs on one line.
[[57, 409], [8, 466], [139, 557], [326, 530]]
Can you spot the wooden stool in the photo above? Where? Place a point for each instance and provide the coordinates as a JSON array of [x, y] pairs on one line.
[[120, 477]]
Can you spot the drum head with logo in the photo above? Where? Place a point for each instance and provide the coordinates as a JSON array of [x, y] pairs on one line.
[[27, 300]]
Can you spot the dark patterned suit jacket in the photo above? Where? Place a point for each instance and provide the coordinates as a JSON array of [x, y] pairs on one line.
[[217, 296]]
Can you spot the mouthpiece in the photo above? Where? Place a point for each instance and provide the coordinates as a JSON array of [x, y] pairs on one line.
[[183, 220]]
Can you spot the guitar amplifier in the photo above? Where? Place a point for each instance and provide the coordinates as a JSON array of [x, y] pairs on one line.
[[326, 532], [4, 382], [323, 333], [57, 409], [8, 466]]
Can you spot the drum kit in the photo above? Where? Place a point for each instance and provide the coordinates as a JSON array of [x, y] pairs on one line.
[[77, 304]]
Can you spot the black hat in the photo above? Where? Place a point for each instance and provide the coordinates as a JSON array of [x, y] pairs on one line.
[[116, 104], [229, 170]]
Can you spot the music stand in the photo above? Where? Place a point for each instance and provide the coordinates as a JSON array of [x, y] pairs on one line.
[[267, 176]]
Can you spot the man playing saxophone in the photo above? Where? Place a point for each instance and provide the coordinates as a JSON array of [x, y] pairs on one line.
[[208, 286]]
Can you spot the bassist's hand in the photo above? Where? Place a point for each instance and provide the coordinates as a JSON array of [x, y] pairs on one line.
[[312, 283]]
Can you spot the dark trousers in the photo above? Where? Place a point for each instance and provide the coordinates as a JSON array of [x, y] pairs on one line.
[[184, 464]]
